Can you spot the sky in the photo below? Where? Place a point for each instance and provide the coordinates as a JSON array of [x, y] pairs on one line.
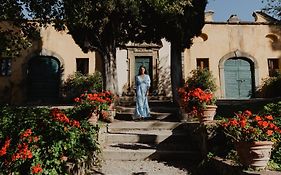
[[223, 9]]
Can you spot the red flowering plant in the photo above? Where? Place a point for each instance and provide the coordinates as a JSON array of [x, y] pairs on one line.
[[88, 103], [21, 155], [198, 91], [194, 100], [248, 127], [43, 140]]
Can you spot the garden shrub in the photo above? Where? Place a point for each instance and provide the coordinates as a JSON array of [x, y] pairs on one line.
[[203, 79], [44, 141], [271, 87], [77, 84]]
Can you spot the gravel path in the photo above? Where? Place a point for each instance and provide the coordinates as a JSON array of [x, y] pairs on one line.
[[147, 167]]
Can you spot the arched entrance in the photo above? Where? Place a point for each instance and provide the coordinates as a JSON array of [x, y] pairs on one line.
[[43, 79], [238, 78]]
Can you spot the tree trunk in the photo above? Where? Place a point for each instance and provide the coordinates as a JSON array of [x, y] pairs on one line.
[[176, 70], [110, 71]]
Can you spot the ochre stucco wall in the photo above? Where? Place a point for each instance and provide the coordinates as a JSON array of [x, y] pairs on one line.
[[60, 45], [221, 39]]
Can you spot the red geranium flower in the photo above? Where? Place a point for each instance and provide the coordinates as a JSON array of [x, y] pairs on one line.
[[36, 169], [246, 126]]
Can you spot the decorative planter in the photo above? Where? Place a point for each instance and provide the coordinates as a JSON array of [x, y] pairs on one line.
[[93, 119], [208, 114], [254, 154], [111, 106], [108, 115], [111, 115]]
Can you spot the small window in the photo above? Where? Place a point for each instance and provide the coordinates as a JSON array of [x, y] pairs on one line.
[[202, 63], [6, 66], [273, 67], [82, 65]]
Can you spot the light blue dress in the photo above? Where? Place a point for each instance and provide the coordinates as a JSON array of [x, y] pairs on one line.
[[142, 86]]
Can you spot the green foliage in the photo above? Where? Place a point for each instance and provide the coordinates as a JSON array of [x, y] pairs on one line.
[[275, 109], [270, 87], [248, 127], [274, 166], [50, 140], [16, 34], [10, 9], [198, 91], [102, 24], [273, 7], [88, 103], [78, 84], [203, 79], [17, 37]]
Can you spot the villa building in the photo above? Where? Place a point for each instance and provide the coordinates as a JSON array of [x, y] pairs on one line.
[[240, 55]]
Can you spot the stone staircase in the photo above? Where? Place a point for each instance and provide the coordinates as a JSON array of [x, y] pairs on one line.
[[161, 138], [149, 146]]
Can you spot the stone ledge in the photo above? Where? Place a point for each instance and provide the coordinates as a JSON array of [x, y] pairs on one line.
[[228, 167]]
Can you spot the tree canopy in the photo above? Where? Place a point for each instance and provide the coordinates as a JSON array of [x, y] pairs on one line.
[[273, 7], [16, 33], [103, 25]]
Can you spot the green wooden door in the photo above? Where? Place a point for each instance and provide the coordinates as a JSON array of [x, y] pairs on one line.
[[238, 79], [147, 63], [43, 80]]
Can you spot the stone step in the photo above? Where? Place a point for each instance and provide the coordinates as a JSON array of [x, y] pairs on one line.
[[157, 113], [125, 113], [152, 100], [146, 136], [156, 140], [154, 116], [147, 125], [132, 152], [156, 109], [146, 167]]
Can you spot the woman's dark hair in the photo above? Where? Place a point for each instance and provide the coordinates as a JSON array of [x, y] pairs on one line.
[[142, 66]]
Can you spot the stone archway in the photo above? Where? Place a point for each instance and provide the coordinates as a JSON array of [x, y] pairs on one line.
[[238, 75]]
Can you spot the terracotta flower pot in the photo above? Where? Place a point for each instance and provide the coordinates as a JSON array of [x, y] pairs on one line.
[[208, 114], [108, 115], [254, 154], [93, 119]]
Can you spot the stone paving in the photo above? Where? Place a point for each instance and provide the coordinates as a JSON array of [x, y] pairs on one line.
[[140, 167]]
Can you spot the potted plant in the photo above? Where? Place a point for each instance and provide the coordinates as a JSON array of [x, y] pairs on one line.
[[197, 97], [96, 105], [253, 135], [78, 83]]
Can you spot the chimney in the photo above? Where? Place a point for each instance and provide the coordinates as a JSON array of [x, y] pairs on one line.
[[209, 16], [233, 19]]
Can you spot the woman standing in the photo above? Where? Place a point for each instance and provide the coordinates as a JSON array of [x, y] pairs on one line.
[[142, 81]]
